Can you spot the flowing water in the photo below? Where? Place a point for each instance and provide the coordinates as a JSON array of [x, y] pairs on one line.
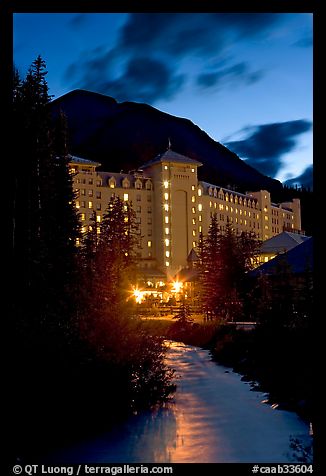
[[214, 417]]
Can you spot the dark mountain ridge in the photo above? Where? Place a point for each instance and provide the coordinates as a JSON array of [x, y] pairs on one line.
[[123, 136]]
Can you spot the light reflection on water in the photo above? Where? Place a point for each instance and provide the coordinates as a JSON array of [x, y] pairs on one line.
[[213, 418]]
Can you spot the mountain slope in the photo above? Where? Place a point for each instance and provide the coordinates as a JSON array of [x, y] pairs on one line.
[[122, 136]]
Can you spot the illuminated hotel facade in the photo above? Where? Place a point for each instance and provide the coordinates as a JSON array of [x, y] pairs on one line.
[[173, 207]]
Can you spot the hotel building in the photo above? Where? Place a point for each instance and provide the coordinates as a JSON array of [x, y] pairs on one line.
[[173, 207]]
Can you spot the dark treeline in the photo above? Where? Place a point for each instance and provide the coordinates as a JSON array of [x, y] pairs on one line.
[[79, 356]]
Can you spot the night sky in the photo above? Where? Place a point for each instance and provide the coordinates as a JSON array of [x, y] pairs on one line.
[[245, 79]]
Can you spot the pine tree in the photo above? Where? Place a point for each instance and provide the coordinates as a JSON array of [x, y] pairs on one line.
[[210, 269]]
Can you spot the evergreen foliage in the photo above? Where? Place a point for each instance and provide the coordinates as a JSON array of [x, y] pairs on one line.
[[224, 259]]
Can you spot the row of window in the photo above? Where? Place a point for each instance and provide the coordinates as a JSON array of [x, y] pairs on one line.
[[88, 181], [89, 204], [90, 192], [230, 198], [112, 183]]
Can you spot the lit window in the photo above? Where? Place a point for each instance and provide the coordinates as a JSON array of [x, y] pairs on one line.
[[125, 208], [166, 184], [266, 218], [166, 207], [167, 254], [166, 219], [125, 197], [194, 244], [193, 232], [215, 205], [192, 187], [167, 241], [200, 229], [166, 196], [266, 259], [82, 216], [200, 207], [167, 264], [193, 210], [149, 244], [199, 192], [193, 198], [200, 218], [210, 204], [98, 218], [167, 230], [90, 204], [226, 208], [192, 170], [77, 204], [194, 221], [165, 167]]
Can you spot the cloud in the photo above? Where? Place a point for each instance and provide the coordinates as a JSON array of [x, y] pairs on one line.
[[167, 41], [305, 42], [304, 180], [78, 20], [182, 34], [239, 72], [265, 144], [143, 79]]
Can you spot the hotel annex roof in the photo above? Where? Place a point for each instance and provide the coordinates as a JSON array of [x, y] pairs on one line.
[[282, 242]]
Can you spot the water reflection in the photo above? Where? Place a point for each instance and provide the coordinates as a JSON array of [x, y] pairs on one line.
[[214, 418]]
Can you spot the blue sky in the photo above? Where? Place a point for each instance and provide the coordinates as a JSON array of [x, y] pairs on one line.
[[245, 79]]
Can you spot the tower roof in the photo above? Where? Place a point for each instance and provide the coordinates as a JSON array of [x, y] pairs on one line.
[[171, 156]]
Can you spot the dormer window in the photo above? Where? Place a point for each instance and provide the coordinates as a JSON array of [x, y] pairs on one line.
[[148, 185], [112, 182], [138, 184], [125, 183]]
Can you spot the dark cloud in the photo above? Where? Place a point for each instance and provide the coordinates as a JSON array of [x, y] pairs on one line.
[[165, 40], [192, 33], [264, 146], [305, 42], [239, 72], [303, 180], [78, 20], [144, 79]]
